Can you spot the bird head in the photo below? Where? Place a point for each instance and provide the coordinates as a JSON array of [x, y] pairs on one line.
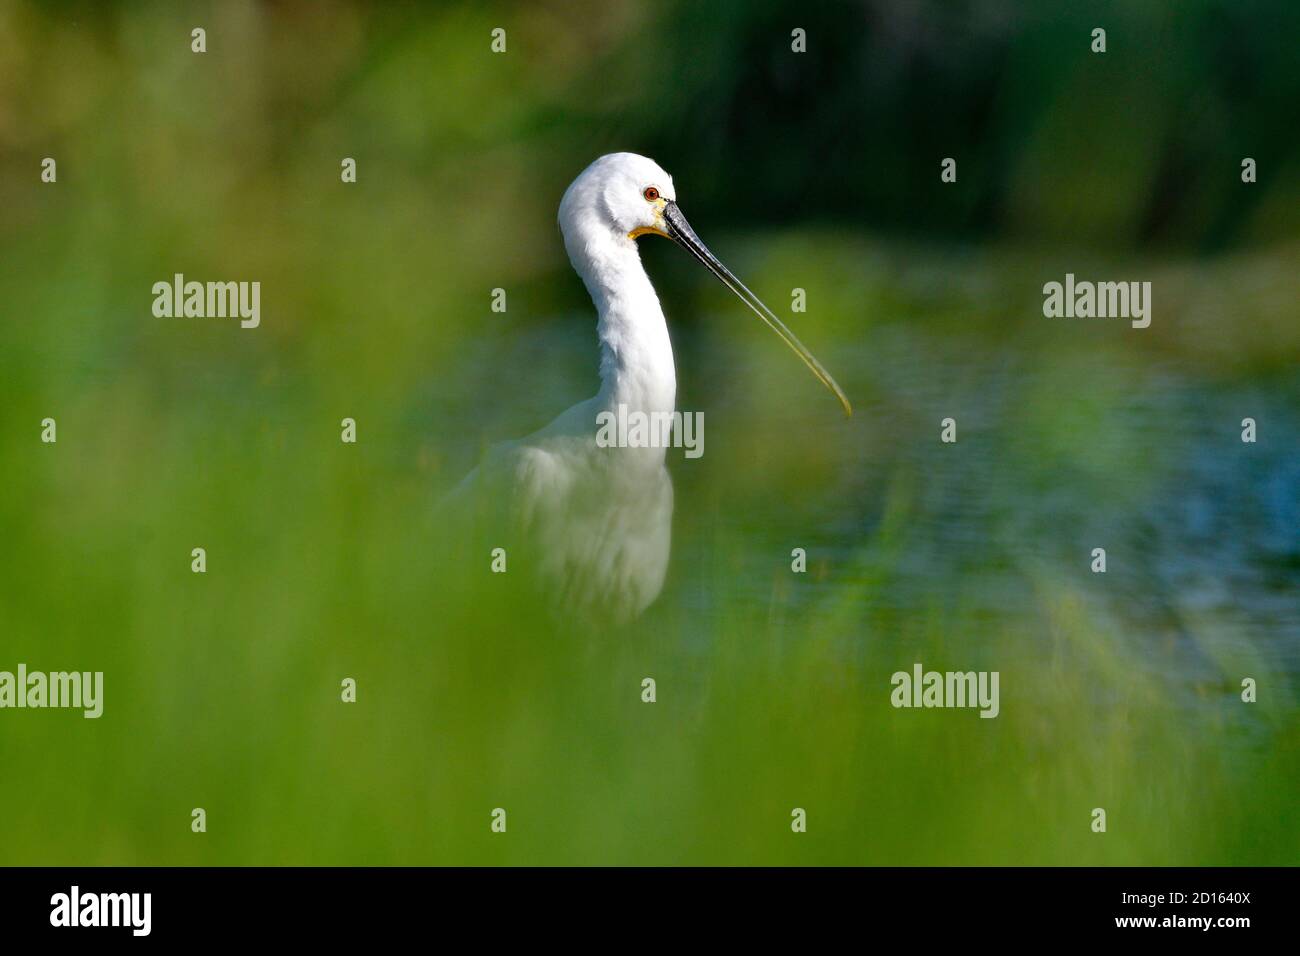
[[624, 192], [631, 196]]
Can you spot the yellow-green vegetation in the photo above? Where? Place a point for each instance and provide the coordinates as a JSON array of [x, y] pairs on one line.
[[222, 690]]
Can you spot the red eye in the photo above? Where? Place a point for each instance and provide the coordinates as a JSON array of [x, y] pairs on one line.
[[651, 194]]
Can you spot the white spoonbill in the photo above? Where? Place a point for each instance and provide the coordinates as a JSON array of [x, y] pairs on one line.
[[593, 524]]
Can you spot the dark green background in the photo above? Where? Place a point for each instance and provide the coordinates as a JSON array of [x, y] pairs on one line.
[[818, 171]]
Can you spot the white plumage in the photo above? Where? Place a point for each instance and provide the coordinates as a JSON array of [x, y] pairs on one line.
[[592, 525]]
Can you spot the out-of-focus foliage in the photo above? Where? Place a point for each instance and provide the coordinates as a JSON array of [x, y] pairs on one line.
[[818, 171]]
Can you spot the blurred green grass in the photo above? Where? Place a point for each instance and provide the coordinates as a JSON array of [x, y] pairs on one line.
[[222, 690]]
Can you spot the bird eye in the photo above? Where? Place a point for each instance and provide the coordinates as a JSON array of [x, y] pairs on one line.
[[651, 194]]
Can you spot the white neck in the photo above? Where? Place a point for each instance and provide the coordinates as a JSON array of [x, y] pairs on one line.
[[636, 356]]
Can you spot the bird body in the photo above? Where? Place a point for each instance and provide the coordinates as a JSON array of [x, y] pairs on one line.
[[593, 524]]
